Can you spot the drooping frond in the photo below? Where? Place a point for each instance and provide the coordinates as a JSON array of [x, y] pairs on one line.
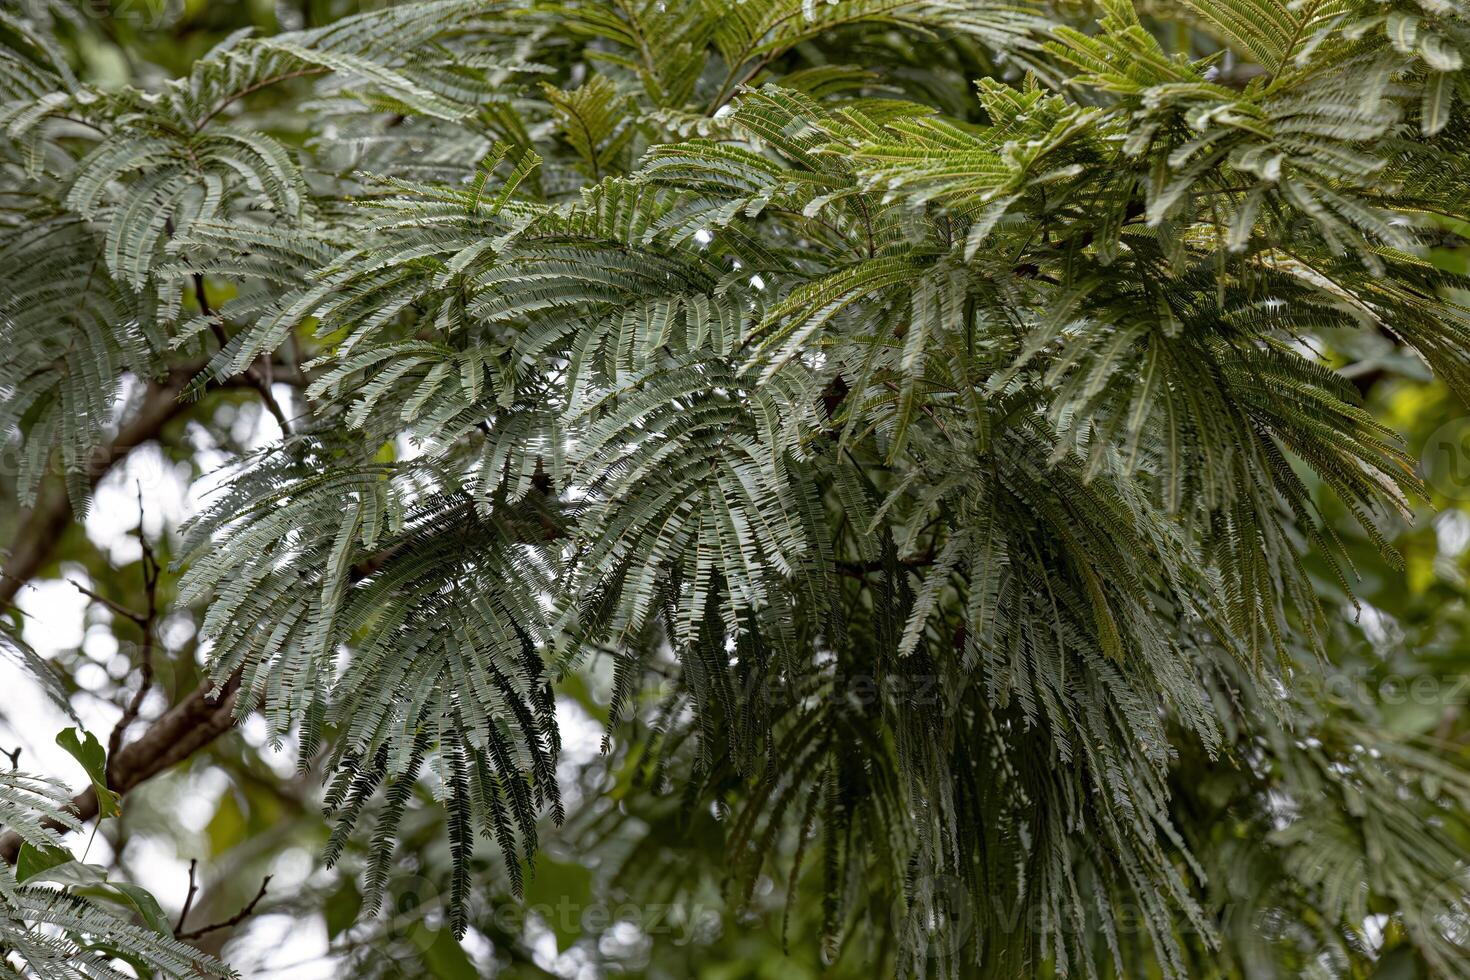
[[678, 333]]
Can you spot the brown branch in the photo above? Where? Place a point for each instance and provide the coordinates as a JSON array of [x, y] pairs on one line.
[[257, 375], [116, 607], [196, 721], [189, 898], [234, 97], [43, 526], [183, 730], [41, 529], [146, 622], [232, 921], [180, 732]]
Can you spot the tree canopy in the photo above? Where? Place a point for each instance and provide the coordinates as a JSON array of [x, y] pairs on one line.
[[942, 441]]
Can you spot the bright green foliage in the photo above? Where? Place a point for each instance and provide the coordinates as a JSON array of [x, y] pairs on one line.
[[744, 344]]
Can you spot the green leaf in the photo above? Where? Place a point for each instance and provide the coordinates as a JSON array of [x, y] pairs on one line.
[[142, 899], [56, 864], [341, 908], [34, 860], [561, 890], [446, 959], [1439, 97], [93, 758]]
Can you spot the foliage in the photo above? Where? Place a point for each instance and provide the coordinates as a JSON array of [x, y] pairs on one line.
[[954, 460], [52, 929]]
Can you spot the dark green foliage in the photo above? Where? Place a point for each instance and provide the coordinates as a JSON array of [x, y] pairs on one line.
[[955, 457]]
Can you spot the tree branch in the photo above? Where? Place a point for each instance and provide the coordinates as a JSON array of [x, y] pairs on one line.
[[146, 623], [257, 375], [189, 898], [233, 920], [187, 727], [183, 730], [42, 527], [234, 97], [180, 732], [48, 519]]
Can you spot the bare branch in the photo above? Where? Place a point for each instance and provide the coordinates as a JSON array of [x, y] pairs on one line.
[[146, 623], [232, 921], [116, 607], [180, 732], [48, 519], [189, 898]]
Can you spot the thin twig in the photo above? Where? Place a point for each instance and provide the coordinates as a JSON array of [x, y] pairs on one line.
[[189, 898], [257, 377], [234, 97], [116, 607], [924, 408], [233, 920], [13, 755], [146, 624], [178, 733]]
